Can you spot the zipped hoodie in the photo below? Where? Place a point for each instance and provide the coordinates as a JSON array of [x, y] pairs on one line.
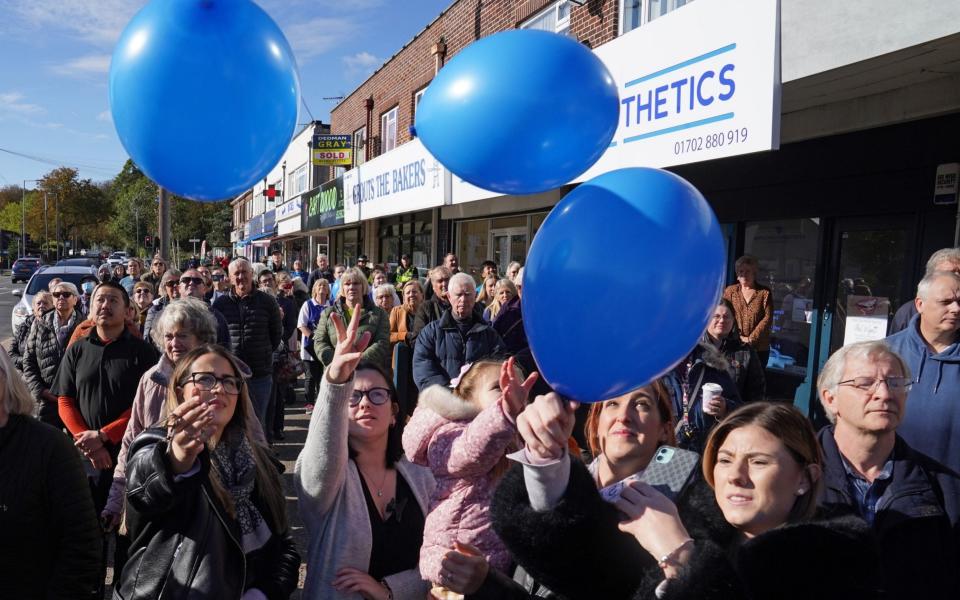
[[932, 422]]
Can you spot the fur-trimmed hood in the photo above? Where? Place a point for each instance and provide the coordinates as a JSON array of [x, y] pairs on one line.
[[712, 357], [436, 406]]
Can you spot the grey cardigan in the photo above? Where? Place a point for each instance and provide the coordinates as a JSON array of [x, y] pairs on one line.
[[333, 507]]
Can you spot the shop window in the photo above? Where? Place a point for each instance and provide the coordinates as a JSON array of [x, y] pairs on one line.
[[634, 13], [406, 234], [787, 253], [555, 18], [348, 246], [388, 130], [473, 240], [360, 146]]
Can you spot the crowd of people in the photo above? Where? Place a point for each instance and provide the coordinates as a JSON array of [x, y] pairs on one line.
[[437, 464]]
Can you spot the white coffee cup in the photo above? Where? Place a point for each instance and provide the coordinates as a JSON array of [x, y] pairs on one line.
[[711, 391]]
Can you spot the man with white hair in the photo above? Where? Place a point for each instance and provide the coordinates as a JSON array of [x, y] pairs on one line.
[[253, 319], [910, 500], [945, 259], [930, 346], [457, 338]]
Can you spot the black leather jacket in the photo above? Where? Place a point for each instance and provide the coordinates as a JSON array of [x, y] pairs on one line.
[[185, 545]]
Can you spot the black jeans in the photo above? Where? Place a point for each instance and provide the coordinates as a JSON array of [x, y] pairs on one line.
[[312, 387]]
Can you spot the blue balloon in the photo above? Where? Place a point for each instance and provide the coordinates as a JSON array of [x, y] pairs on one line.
[[620, 282], [204, 95], [520, 112]]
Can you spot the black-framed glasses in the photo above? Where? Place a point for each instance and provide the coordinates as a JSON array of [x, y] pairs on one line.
[[208, 381], [870, 384], [189, 280], [217, 277], [377, 396], [61, 294]]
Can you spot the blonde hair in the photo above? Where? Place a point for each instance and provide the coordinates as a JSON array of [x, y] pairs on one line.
[[482, 296], [16, 397], [495, 306], [351, 274], [320, 283], [466, 389]]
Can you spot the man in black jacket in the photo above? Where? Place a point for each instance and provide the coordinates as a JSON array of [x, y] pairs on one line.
[[431, 310], [911, 501], [253, 318]]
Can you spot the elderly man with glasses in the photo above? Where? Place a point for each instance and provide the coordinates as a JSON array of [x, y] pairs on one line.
[[910, 500]]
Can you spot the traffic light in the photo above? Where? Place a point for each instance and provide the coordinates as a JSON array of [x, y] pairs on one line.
[[148, 241]]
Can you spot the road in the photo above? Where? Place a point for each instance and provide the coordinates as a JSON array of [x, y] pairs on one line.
[[7, 302]]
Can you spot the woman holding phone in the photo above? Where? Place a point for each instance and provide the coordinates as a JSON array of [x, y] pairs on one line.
[[744, 539]]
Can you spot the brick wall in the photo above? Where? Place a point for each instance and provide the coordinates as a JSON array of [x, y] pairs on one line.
[[413, 66]]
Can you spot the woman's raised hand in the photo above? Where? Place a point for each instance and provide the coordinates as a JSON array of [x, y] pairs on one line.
[[349, 348], [546, 425], [651, 518], [515, 392], [188, 428]]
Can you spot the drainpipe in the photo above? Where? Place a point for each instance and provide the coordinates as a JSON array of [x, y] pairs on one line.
[[368, 103]]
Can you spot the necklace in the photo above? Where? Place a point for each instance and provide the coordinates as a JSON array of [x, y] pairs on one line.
[[383, 480]]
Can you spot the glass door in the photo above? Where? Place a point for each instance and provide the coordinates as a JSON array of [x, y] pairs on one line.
[[508, 245]]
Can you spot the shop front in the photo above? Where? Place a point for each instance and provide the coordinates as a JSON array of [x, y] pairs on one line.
[[323, 220], [289, 239]]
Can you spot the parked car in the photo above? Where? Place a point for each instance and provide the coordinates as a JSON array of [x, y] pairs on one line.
[[117, 258], [24, 268], [85, 261], [39, 281]]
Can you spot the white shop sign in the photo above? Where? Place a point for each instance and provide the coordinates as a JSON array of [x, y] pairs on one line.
[[700, 83], [289, 209], [405, 179]]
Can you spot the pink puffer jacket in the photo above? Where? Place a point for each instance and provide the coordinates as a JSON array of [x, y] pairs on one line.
[[461, 445]]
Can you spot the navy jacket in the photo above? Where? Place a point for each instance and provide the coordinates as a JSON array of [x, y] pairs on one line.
[[932, 422], [441, 350], [918, 520]]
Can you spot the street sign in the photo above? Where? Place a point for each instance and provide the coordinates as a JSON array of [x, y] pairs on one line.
[[194, 240]]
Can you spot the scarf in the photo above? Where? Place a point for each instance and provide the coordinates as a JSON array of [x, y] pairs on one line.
[[234, 462]]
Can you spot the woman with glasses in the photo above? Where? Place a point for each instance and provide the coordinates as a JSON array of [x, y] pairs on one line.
[[205, 501], [723, 334], [363, 504], [168, 291], [46, 344]]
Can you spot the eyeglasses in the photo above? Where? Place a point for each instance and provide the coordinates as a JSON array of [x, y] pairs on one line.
[[61, 294], [170, 284], [208, 381], [158, 264], [870, 384], [217, 277], [189, 280], [377, 396], [141, 291]]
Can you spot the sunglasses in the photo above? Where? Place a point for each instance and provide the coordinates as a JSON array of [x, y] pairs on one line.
[[61, 294], [141, 291], [189, 280]]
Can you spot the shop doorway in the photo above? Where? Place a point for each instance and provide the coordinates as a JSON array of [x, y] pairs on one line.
[[508, 245]]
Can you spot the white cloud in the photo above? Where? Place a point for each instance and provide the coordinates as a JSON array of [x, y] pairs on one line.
[[92, 64], [11, 102], [316, 36], [105, 116], [98, 22], [360, 61]]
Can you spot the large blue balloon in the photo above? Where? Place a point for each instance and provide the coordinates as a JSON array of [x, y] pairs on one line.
[[520, 112], [204, 95], [620, 282]]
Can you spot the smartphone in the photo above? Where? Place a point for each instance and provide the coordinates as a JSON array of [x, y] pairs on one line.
[[670, 470]]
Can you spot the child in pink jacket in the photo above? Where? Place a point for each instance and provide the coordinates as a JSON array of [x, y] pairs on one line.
[[463, 437]]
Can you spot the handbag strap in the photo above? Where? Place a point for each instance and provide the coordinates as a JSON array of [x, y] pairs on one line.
[[692, 404]]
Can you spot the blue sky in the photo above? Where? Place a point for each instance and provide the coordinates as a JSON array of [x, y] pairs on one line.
[[55, 54]]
